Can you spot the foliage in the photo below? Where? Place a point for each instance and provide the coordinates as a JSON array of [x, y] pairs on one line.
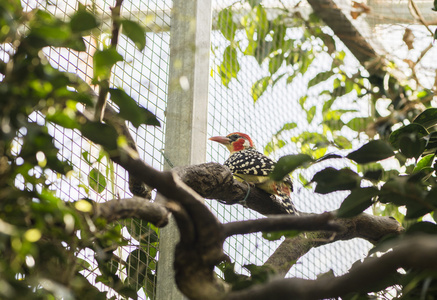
[[44, 239]]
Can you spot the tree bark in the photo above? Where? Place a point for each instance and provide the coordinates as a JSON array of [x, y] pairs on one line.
[[343, 28], [374, 274]]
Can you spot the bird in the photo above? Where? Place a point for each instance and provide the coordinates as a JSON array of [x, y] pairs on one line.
[[253, 167]]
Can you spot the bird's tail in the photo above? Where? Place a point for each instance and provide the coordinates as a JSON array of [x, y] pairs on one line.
[[285, 202]]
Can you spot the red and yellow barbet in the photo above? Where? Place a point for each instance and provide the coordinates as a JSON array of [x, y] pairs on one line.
[[251, 166]]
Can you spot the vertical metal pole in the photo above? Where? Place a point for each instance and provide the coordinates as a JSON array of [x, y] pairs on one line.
[[186, 113]]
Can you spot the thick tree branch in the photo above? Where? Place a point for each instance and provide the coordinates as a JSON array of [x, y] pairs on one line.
[[198, 253], [419, 252], [276, 223], [135, 207], [334, 17], [215, 181], [365, 226]]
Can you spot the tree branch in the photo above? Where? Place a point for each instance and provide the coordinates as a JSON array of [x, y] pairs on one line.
[[419, 252], [343, 28], [135, 207], [276, 223], [195, 254], [215, 181], [365, 226]]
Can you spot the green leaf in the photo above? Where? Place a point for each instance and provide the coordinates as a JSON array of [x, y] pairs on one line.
[[287, 126], [83, 20], [128, 292], [305, 60], [394, 191], [327, 105], [310, 114], [263, 50], [135, 32], [259, 87], [302, 101], [137, 268], [130, 111], [310, 138], [275, 63], [63, 119], [82, 98], [342, 142], [426, 161], [104, 60], [371, 152], [418, 206], [303, 180], [373, 175], [288, 164], [331, 180], [259, 274], [320, 77], [411, 145], [411, 129], [332, 124], [359, 124], [290, 78], [422, 227], [87, 157], [101, 134], [273, 145], [428, 118], [262, 23], [230, 66], [96, 180], [52, 33], [357, 201], [226, 24], [279, 34], [329, 156], [254, 3], [238, 281], [144, 233]]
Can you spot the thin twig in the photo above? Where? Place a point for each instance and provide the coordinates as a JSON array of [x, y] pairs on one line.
[[104, 84], [415, 12]]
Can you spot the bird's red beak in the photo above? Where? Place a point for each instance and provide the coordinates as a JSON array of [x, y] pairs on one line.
[[221, 139]]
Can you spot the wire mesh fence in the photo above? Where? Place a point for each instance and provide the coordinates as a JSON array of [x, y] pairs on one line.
[[387, 27], [232, 109], [144, 76]]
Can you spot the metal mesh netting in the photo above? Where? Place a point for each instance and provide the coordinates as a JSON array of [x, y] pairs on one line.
[[384, 25], [232, 109], [143, 76]]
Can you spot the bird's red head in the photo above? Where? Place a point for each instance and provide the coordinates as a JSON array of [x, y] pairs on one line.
[[235, 141]]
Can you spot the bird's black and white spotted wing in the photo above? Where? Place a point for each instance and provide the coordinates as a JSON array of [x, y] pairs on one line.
[[250, 162]]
